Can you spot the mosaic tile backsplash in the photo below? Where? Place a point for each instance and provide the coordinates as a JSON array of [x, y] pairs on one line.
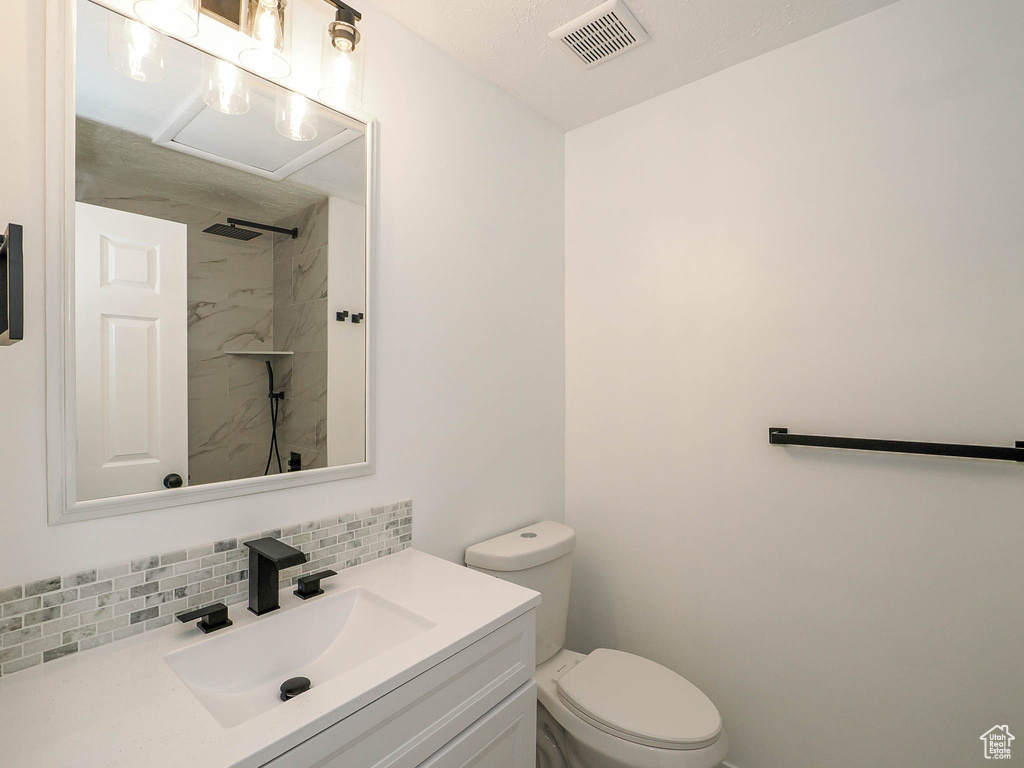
[[54, 617]]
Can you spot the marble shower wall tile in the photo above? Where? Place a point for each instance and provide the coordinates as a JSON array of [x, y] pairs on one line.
[[249, 459], [300, 325], [309, 376], [209, 278], [231, 307], [312, 224], [218, 326], [253, 285], [283, 282], [207, 374], [227, 439], [247, 379], [310, 276], [210, 437], [51, 618], [297, 427]]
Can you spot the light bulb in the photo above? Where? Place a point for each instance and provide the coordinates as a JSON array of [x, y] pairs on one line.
[[225, 87], [296, 119], [135, 50], [266, 26], [267, 29], [335, 77], [179, 18], [342, 71]]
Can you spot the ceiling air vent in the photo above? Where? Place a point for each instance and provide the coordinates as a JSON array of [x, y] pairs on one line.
[[601, 34]]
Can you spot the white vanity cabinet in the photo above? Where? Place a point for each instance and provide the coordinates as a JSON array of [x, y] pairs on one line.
[[477, 706], [506, 737]]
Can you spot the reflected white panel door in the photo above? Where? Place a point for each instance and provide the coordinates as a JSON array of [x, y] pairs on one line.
[[131, 324]]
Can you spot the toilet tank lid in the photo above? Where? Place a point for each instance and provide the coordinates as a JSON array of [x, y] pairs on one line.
[[525, 548]]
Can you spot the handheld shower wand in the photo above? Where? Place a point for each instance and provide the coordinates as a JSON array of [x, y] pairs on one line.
[[275, 407]]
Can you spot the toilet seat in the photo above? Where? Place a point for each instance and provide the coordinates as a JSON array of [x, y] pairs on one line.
[[640, 701]]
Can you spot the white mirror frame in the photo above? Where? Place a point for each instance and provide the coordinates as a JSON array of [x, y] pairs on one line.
[[62, 503]]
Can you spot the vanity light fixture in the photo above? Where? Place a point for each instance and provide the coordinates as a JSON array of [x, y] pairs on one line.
[[341, 58], [135, 49], [225, 86], [267, 24], [296, 118], [179, 18]]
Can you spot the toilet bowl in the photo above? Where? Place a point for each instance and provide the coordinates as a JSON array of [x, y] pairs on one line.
[[614, 729], [606, 709]]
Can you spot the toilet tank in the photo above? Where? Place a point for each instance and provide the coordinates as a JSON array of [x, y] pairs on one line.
[[538, 557]]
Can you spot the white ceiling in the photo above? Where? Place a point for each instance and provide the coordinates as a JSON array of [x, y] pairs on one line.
[[506, 41]]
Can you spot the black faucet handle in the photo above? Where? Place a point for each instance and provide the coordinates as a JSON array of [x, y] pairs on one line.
[[212, 617], [309, 586]]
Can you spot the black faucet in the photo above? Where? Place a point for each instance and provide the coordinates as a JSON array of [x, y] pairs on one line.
[[266, 558]]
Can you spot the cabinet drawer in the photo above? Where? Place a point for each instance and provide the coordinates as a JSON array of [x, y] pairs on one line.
[[412, 722], [506, 737]]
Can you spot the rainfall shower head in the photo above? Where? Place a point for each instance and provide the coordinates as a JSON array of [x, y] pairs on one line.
[[230, 230]]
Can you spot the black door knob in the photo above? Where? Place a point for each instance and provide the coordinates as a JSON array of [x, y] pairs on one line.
[[293, 687], [173, 480]]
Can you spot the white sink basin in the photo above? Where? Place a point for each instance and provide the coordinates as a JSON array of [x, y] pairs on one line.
[[238, 674]]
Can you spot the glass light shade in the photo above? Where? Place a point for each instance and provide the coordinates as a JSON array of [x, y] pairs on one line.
[[296, 116], [267, 25], [179, 18], [341, 75], [135, 50], [225, 86]]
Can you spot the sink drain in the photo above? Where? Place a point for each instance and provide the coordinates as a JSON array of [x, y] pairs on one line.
[[293, 687]]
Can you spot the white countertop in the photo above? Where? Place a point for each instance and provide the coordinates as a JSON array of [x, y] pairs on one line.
[[121, 706]]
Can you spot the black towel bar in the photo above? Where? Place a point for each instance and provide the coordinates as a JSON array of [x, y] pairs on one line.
[[781, 436]]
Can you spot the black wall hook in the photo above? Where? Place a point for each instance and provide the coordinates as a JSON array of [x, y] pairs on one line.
[[356, 317]]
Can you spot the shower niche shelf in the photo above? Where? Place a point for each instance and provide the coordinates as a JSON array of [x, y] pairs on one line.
[[262, 356]]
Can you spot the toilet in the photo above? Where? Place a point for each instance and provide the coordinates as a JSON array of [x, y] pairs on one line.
[[606, 709]]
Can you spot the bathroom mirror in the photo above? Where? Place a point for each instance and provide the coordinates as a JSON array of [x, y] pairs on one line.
[[213, 274]]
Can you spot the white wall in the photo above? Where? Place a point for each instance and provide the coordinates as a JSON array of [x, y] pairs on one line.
[[346, 383], [826, 238], [470, 388]]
